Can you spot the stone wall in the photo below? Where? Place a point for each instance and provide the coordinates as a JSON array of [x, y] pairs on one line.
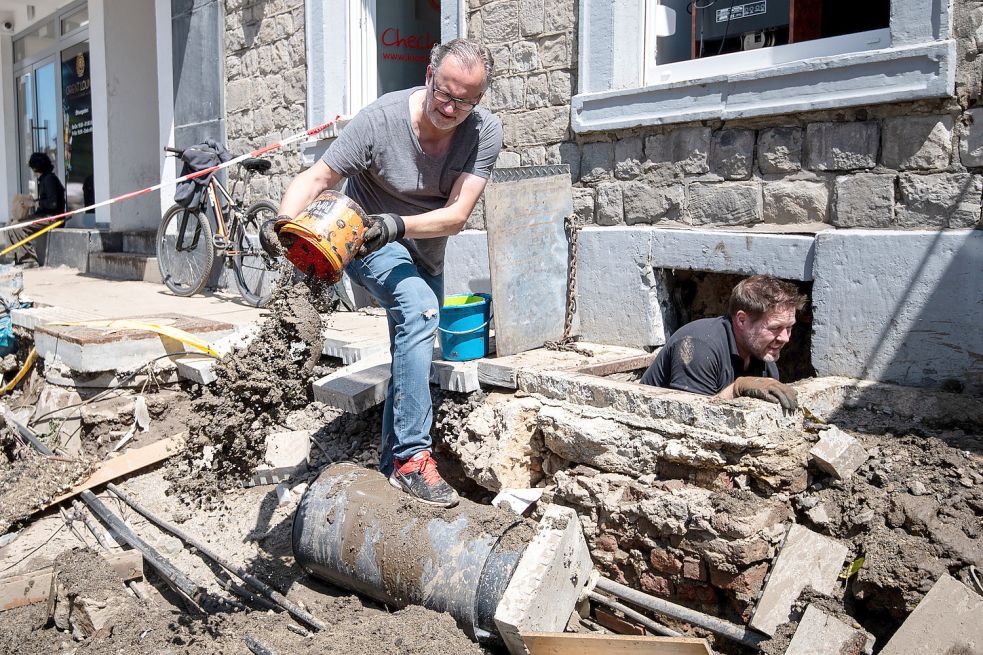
[[266, 84], [912, 165]]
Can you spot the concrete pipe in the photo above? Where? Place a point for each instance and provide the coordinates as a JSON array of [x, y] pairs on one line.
[[354, 530]]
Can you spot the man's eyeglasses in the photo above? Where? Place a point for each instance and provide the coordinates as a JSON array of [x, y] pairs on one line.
[[459, 103]]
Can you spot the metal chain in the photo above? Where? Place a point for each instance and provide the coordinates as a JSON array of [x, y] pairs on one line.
[[567, 342]]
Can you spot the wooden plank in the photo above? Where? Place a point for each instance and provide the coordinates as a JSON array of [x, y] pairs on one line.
[[132, 460], [562, 643], [35, 587], [616, 624], [622, 365]]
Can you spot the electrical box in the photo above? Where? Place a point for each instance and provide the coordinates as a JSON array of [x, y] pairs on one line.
[[727, 19]]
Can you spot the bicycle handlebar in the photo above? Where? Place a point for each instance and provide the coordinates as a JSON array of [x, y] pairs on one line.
[[174, 151]]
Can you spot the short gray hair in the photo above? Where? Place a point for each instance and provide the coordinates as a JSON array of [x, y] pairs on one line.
[[469, 53]]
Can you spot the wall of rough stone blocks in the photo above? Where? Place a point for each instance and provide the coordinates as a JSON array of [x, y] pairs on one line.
[[266, 84], [908, 165]]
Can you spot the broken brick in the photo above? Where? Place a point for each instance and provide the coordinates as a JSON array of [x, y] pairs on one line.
[[655, 585], [749, 581], [607, 543], [696, 593], [693, 569], [663, 561]]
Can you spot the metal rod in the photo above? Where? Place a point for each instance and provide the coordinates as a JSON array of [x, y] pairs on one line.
[[260, 586], [25, 432], [738, 633], [174, 578], [100, 536], [257, 647], [655, 627]]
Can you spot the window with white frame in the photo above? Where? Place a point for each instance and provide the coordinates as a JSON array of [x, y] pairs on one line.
[[690, 39], [683, 60]]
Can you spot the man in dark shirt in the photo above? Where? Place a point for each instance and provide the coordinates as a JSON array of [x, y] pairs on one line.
[[50, 202], [733, 356]]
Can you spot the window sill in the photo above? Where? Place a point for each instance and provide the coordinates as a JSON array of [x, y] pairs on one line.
[[862, 78]]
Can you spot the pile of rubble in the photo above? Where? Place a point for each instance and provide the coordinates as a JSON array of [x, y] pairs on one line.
[[848, 525]]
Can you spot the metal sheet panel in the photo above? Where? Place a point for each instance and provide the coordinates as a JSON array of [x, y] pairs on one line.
[[527, 250]]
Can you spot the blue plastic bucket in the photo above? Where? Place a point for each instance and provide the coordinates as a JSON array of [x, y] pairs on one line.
[[463, 327]]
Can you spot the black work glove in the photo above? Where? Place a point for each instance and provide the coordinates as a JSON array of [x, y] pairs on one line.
[[268, 238], [380, 230], [766, 389]]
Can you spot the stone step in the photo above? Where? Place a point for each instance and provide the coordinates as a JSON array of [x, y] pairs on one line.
[[141, 243], [124, 266], [68, 246]]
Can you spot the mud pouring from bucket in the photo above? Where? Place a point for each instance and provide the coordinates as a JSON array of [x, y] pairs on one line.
[[323, 239]]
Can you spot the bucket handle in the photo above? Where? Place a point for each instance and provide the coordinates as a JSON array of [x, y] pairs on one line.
[[456, 333]]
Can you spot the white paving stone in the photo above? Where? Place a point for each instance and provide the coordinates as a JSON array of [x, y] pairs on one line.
[[948, 620], [356, 387]]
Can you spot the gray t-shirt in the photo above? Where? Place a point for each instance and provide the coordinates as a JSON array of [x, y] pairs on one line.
[[387, 170]]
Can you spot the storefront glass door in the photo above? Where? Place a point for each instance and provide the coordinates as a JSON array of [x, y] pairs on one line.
[[37, 104]]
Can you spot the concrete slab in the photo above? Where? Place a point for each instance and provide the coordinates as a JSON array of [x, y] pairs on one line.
[[806, 559], [837, 453], [29, 318], [356, 387], [353, 336], [197, 369], [548, 580], [455, 376], [819, 633], [466, 263], [525, 210], [622, 298], [946, 621], [503, 371], [918, 289], [287, 454], [88, 349]]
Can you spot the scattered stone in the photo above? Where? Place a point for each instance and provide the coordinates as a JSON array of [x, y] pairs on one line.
[[819, 633], [806, 559], [818, 515], [837, 453], [283, 495], [917, 488], [946, 621]]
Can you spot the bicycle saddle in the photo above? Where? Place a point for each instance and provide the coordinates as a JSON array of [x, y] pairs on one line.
[[256, 165]]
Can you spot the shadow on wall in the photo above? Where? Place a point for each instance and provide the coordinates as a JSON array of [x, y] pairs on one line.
[[253, 12], [901, 307]]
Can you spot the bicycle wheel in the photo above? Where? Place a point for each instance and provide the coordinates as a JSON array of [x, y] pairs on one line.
[[185, 253], [256, 273]]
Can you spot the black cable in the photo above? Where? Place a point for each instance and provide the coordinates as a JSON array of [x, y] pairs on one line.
[[730, 16]]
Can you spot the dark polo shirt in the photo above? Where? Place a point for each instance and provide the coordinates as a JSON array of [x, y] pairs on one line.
[[701, 357]]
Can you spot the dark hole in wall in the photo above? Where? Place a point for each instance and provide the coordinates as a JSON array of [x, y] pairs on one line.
[[699, 294]]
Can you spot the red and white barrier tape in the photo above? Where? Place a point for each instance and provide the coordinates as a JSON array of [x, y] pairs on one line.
[[212, 169]]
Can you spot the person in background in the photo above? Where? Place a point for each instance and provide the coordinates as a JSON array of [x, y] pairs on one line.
[[50, 201]]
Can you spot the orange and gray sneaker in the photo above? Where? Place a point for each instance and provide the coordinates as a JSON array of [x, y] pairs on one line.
[[418, 477]]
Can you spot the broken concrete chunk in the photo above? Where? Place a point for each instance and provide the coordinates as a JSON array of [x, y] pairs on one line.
[[821, 634], [948, 620], [548, 580], [837, 453], [197, 369], [806, 559], [287, 454], [517, 500]]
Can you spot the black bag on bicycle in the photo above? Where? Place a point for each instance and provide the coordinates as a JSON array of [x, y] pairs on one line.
[[191, 193]]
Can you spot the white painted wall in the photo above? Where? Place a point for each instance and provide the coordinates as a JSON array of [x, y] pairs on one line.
[[165, 101], [125, 109], [8, 129]]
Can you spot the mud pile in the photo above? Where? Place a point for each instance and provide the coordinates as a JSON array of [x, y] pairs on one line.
[[29, 480], [147, 627], [256, 388]]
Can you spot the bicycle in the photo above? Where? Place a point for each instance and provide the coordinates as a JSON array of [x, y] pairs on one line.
[[187, 245]]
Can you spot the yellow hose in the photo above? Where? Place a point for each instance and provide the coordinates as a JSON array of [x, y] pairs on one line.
[[28, 363]]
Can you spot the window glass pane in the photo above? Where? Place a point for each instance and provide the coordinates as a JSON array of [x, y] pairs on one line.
[[406, 32], [706, 28], [76, 98], [35, 42], [74, 21]]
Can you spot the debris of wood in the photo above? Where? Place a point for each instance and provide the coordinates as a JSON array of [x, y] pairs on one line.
[[35, 586], [562, 643], [130, 461]]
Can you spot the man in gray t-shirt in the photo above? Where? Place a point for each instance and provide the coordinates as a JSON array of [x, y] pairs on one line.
[[417, 161]]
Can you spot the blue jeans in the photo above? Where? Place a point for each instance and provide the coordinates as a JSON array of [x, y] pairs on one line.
[[412, 300]]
